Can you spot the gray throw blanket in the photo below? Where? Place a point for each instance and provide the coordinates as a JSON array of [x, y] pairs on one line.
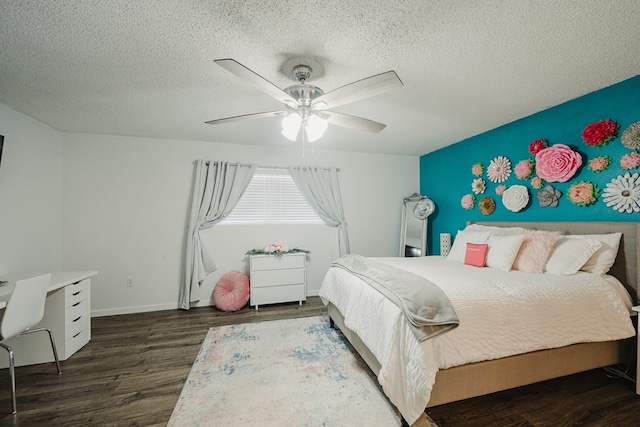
[[425, 305]]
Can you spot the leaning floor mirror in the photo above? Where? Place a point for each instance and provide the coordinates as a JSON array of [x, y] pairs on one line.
[[416, 208]]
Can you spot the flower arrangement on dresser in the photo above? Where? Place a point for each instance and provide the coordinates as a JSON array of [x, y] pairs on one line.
[[277, 250]]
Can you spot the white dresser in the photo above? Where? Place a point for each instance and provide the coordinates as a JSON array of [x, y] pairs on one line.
[[67, 313], [277, 279]]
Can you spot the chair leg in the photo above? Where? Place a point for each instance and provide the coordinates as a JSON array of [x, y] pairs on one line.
[[12, 374], [53, 344]]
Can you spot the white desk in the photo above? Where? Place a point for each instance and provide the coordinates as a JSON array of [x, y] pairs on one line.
[[67, 313]]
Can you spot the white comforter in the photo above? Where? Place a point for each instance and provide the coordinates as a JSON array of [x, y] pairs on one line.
[[501, 314]]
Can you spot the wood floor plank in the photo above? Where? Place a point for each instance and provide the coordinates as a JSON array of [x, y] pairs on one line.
[[132, 372]]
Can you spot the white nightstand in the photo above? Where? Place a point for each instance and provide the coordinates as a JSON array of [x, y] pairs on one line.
[[637, 310], [277, 279]]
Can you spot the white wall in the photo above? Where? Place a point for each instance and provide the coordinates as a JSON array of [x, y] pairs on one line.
[[119, 205], [30, 195], [126, 201]]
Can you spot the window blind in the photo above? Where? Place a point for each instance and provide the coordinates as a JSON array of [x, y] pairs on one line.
[[272, 198]]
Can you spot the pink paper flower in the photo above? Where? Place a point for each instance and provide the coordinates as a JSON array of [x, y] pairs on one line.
[[477, 169], [536, 146], [583, 193], [599, 164], [524, 169], [600, 133], [500, 189], [537, 182], [468, 201], [557, 163], [630, 160]]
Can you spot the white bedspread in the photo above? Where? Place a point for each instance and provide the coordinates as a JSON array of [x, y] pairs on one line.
[[501, 314]]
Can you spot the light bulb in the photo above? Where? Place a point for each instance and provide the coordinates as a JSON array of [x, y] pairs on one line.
[[291, 126], [315, 127]]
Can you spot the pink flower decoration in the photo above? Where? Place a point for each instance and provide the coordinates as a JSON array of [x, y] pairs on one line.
[[600, 133], [477, 169], [536, 146], [537, 182], [630, 160], [557, 163], [599, 164], [583, 193], [468, 201], [524, 169], [500, 189]]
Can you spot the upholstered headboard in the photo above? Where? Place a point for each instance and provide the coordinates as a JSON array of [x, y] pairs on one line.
[[625, 267]]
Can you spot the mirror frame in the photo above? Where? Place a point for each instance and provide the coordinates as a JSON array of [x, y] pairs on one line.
[[414, 198]]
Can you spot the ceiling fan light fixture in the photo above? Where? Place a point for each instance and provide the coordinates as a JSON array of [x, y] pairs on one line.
[[291, 126], [315, 127]]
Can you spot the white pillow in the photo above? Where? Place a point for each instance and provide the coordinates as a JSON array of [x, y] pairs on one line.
[[503, 250], [459, 248], [570, 253], [496, 231], [601, 261]]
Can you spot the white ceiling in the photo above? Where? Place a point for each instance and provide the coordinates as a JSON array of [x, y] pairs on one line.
[[145, 68]]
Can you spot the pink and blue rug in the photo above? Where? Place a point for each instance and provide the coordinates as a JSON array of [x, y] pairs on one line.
[[297, 372]]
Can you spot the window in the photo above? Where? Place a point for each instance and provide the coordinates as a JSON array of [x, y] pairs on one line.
[[272, 198]]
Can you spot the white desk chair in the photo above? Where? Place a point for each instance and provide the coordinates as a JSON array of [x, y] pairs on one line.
[[25, 309]]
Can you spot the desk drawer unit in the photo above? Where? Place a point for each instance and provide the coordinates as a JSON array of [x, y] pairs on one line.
[[278, 279], [68, 314]]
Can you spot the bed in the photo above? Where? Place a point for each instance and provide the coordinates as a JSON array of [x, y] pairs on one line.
[[479, 377]]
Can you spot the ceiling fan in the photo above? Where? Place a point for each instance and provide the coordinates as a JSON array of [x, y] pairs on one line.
[[307, 106]]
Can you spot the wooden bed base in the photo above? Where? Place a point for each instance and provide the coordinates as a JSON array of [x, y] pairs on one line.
[[477, 379]]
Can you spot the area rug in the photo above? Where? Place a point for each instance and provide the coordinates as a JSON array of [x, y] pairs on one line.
[[298, 372]]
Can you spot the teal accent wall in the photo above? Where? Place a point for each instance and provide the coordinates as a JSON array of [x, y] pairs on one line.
[[445, 174]]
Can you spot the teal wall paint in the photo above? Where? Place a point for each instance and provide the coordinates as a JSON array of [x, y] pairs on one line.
[[445, 174]]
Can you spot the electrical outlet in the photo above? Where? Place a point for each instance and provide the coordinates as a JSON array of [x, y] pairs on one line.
[[129, 282]]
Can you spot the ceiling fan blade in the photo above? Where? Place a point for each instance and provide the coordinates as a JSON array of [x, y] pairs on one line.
[[358, 90], [246, 116], [353, 122], [257, 80]]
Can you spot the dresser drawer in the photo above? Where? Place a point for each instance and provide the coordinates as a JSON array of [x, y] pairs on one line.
[[276, 277], [277, 263], [77, 341], [75, 326], [277, 294], [81, 308], [76, 292]]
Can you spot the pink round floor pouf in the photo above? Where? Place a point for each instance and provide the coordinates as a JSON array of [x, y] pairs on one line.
[[232, 291]]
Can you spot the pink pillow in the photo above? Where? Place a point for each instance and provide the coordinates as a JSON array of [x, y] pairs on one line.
[[535, 251], [232, 291], [476, 254]]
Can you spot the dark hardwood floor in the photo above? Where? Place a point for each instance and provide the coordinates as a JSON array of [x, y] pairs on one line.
[[132, 372]]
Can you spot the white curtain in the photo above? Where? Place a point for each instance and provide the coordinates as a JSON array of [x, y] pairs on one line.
[[217, 188], [321, 189]]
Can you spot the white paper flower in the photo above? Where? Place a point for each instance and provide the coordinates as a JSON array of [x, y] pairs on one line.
[[478, 186], [499, 169], [623, 193], [515, 198]]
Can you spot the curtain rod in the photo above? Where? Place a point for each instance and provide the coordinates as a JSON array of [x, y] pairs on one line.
[[266, 167]]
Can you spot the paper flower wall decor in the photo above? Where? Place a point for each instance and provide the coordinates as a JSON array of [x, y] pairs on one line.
[[537, 145], [623, 193], [599, 164], [515, 198], [583, 193], [487, 205], [525, 169], [557, 163], [468, 201], [549, 196], [631, 136], [500, 189], [478, 186], [537, 182], [477, 169], [600, 133], [630, 161], [499, 169]]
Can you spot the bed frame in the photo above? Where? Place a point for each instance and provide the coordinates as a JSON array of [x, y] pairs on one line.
[[476, 379]]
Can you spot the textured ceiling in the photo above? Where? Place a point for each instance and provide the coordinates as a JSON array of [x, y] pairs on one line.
[[145, 68]]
